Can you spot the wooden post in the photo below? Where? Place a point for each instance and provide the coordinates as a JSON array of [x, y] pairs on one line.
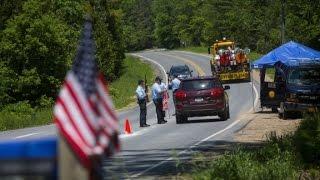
[[69, 167]]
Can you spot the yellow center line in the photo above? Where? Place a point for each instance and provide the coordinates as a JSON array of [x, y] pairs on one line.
[[188, 61]]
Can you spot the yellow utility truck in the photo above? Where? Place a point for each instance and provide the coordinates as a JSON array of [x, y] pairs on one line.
[[228, 62]]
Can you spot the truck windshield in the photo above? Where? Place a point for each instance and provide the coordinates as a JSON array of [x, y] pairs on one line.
[[304, 76]]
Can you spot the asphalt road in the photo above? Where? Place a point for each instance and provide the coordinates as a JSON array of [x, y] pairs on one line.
[[154, 151]]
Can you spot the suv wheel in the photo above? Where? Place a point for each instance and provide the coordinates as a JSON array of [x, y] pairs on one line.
[[181, 119], [178, 119], [224, 115]]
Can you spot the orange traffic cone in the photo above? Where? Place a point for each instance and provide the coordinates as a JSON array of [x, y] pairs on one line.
[[127, 127]]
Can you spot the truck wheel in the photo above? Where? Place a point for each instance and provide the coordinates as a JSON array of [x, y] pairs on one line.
[[274, 109]]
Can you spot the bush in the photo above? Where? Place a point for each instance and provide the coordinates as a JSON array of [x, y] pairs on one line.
[[268, 163], [20, 115], [307, 139]]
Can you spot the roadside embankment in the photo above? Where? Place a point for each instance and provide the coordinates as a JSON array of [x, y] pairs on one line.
[[122, 90]]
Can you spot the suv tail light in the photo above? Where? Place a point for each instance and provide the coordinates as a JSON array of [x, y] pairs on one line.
[[216, 92], [180, 95]]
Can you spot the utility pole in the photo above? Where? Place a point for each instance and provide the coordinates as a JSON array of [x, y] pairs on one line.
[[283, 21]]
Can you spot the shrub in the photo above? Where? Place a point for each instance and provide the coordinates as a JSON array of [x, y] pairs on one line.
[[307, 139], [20, 115], [268, 163]]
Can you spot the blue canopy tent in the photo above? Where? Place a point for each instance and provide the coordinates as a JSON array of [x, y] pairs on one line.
[[286, 52]]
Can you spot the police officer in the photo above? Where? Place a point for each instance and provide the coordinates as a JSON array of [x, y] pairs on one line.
[[157, 99], [142, 101], [175, 83]]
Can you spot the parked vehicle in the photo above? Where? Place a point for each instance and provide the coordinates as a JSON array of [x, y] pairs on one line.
[[181, 71], [201, 96], [296, 87]]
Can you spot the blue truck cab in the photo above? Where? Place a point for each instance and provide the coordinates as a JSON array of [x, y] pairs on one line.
[[295, 87], [298, 84]]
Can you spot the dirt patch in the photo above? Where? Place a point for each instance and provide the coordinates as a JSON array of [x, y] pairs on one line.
[[263, 123]]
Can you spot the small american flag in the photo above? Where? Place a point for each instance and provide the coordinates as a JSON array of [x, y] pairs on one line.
[[84, 111], [165, 101]]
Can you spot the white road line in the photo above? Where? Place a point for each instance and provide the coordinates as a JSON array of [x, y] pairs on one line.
[[198, 54], [188, 149], [26, 135], [153, 61]]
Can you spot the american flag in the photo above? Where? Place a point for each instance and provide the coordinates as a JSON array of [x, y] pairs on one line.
[[84, 111], [165, 101]]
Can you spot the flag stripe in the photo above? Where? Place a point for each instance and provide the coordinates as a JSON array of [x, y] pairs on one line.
[[84, 112], [65, 121], [76, 121], [83, 103]]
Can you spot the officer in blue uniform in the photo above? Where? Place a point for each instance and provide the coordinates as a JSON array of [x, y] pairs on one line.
[[157, 99], [142, 101], [175, 83]]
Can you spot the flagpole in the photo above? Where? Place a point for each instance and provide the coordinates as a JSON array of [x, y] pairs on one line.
[[252, 93]]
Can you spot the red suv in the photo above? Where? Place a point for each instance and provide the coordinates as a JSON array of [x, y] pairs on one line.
[[201, 96]]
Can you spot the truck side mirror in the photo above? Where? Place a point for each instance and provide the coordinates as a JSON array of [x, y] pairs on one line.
[[226, 87]]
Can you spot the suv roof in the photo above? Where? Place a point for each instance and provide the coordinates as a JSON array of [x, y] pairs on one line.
[[201, 78]]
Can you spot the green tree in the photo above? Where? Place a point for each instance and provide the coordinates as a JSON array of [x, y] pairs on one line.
[[37, 46], [164, 13], [108, 37], [137, 24]]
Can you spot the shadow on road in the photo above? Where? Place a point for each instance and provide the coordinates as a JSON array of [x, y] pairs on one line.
[[203, 120], [165, 163]]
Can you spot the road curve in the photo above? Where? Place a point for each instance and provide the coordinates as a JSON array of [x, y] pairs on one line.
[[150, 151], [153, 151]]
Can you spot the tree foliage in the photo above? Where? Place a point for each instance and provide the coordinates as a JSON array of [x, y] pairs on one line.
[[38, 41], [251, 23], [137, 24]]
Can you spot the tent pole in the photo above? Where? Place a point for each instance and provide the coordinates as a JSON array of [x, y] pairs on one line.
[[251, 77]]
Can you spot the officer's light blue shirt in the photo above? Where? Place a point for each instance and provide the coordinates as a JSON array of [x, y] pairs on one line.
[[156, 91], [175, 84], [163, 86], [141, 94]]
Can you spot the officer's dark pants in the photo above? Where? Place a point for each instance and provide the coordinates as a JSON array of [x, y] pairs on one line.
[[158, 104], [143, 112]]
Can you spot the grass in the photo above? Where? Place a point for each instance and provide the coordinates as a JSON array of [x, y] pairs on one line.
[[123, 89], [254, 56], [204, 50], [287, 157], [22, 115]]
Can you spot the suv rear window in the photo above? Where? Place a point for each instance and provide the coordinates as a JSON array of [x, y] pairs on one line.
[[200, 84]]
